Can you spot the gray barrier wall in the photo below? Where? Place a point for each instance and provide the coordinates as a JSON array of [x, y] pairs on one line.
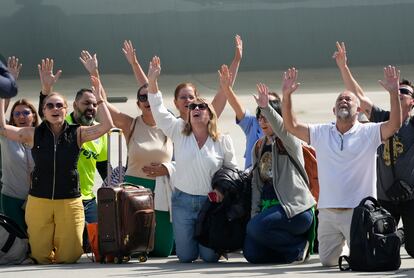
[[197, 35]]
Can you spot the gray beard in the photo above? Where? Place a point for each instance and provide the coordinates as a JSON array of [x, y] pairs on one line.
[[86, 121], [343, 114]]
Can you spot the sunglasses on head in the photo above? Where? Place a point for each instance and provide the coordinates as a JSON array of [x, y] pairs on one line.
[[201, 106], [58, 105], [24, 113], [143, 98]]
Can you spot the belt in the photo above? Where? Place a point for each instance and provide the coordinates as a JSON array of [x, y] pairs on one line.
[[340, 209]]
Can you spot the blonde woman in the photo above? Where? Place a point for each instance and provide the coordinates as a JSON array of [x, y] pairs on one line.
[[54, 211], [199, 152]]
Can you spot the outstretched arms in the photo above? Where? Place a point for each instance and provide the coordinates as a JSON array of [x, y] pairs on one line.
[[89, 133], [120, 120], [154, 72], [349, 81], [47, 80], [289, 86], [226, 86], [219, 101], [130, 54], [391, 84]]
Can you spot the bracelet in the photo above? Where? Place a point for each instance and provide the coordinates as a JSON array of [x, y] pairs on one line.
[[99, 102]]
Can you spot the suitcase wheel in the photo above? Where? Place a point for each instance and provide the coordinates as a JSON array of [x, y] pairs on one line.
[[118, 260], [142, 258]]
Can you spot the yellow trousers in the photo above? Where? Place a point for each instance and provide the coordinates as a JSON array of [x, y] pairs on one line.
[[55, 229]]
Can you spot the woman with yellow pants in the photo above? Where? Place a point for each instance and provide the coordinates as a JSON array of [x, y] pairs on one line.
[[54, 211]]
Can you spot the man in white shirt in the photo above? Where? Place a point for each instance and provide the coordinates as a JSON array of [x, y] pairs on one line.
[[346, 153]]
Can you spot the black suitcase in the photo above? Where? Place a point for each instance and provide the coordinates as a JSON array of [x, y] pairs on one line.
[[126, 217]]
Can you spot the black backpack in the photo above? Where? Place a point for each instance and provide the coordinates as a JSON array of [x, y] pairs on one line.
[[14, 245], [374, 244]]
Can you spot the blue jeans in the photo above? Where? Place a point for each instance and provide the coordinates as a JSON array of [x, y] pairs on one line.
[[91, 210], [273, 238], [91, 216], [185, 209]]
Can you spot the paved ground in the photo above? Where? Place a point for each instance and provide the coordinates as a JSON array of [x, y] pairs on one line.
[[313, 103], [236, 266]]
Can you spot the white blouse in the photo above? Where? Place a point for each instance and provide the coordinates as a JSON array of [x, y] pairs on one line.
[[195, 167]]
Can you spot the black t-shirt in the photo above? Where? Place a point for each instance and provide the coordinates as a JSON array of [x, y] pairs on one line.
[[403, 153], [266, 173]]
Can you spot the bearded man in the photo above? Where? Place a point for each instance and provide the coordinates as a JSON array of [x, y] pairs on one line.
[[346, 153]]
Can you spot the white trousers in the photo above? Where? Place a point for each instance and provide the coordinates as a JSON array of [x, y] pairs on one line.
[[333, 234]]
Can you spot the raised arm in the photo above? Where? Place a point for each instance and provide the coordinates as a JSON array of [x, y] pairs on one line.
[[89, 133], [349, 81], [90, 63], [120, 120], [18, 134], [391, 84], [219, 101], [170, 125], [131, 56], [14, 68], [47, 80], [226, 86], [290, 85]]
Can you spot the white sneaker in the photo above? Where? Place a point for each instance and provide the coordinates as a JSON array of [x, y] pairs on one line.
[[305, 255]]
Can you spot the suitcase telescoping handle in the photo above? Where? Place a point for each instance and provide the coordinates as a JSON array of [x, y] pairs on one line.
[[119, 131]]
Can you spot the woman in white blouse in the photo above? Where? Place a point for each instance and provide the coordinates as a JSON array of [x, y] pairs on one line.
[[199, 152]]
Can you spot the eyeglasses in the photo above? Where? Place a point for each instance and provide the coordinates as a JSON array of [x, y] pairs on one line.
[[405, 91], [57, 105], [201, 106], [143, 98], [24, 113]]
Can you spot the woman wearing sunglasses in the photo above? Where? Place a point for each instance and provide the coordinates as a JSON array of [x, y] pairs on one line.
[[199, 152], [54, 210], [17, 163], [149, 156]]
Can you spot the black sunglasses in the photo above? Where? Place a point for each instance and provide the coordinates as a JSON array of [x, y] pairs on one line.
[[143, 98], [201, 106], [24, 113], [58, 105], [404, 91]]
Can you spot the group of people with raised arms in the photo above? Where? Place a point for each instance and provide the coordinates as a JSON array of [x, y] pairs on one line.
[[177, 156]]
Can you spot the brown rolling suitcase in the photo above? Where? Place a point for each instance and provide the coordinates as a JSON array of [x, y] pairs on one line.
[[126, 217]]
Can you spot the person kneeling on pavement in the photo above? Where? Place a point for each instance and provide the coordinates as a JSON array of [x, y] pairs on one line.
[[281, 224]]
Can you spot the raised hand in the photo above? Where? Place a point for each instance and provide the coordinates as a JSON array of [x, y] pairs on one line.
[[96, 87], [225, 77], [14, 67], [290, 83], [129, 52], [154, 70], [391, 81], [89, 62], [262, 98], [238, 48], [47, 78], [340, 55]]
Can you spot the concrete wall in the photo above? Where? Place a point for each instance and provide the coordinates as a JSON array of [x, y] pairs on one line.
[[197, 35]]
